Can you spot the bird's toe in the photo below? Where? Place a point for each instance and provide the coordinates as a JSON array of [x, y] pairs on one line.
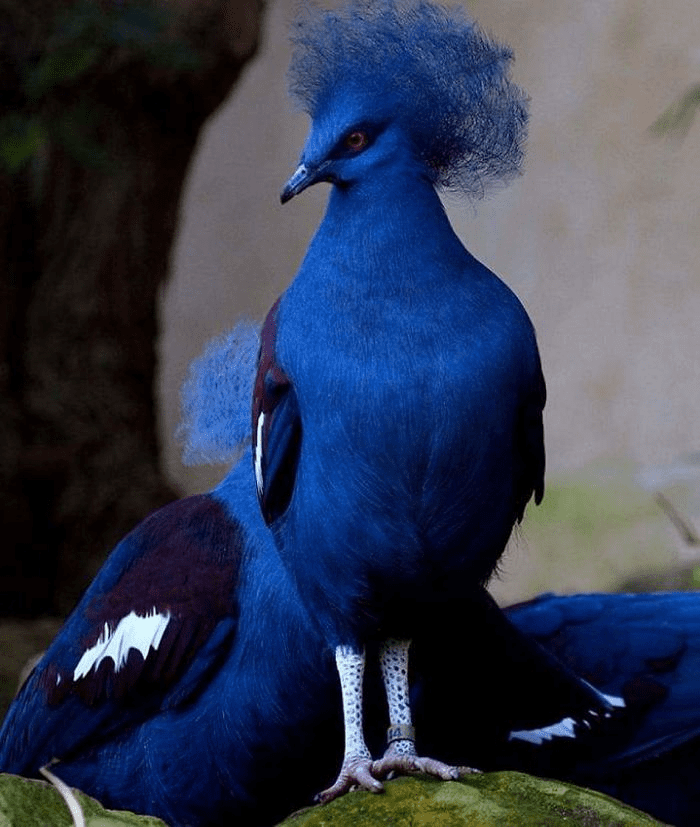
[[356, 773], [415, 764]]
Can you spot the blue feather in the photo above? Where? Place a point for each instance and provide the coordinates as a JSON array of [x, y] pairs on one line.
[[215, 407], [415, 370], [645, 648]]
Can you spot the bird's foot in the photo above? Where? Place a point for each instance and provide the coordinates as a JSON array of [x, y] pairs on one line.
[[401, 758], [360, 772], [356, 773], [415, 764]]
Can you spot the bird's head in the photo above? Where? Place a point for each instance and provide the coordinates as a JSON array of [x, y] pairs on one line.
[[397, 86], [348, 145]]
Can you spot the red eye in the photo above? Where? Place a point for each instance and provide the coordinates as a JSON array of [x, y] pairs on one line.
[[356, 141]]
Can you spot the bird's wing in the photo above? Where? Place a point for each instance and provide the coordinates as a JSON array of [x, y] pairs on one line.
[[643, 648], [158, 619], [518, 688], [276, 426], [530, 444]]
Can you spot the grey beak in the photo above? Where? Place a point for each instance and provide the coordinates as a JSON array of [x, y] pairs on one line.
[[304, 176], [301, 179]]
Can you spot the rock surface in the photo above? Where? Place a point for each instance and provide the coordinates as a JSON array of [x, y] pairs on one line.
[[502, 799]]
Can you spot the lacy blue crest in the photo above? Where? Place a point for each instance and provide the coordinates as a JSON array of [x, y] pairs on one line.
[[427, 65], [215, 397]]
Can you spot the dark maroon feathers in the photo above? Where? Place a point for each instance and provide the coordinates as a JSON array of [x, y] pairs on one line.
[[276, 426], [186, 570]]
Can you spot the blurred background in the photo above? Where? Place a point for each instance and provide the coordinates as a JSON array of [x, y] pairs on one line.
[[144, 146]]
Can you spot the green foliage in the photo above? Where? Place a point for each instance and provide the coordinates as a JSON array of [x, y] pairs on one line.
[[84, 38], [21, 137], [586, 504], [503, 799], [679, 116], [594, 530], [60, 66]]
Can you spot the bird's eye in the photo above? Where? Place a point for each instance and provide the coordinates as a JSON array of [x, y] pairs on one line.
[[356, 140]]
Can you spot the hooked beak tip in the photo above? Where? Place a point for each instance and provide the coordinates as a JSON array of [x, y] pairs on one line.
[[286, 195], [299, 181]]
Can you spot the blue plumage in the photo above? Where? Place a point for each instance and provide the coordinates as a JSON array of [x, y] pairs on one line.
[[645, 648], [233, 714], [641, 648], [215, 422], [221, 704], [191, 682], [189, 679], [397, 418]]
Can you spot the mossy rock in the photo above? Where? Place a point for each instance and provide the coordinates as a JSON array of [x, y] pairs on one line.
[[504, 799], [28, 803], [499, 799]]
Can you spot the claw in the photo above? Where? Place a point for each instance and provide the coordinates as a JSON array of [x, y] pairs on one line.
[[356, 772]]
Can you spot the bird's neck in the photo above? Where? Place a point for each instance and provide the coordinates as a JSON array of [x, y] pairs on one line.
[[395, 197], [394, 225]]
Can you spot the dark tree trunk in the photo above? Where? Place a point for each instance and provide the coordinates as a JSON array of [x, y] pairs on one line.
[[86, 229]]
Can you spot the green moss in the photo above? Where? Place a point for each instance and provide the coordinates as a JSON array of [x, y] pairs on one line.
[[27, 803], [504, 799]]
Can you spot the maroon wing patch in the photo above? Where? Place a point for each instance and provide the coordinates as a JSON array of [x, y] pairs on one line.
[[276, 426], [171, 607]]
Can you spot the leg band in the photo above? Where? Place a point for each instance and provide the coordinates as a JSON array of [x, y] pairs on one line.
[[400, 732]]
